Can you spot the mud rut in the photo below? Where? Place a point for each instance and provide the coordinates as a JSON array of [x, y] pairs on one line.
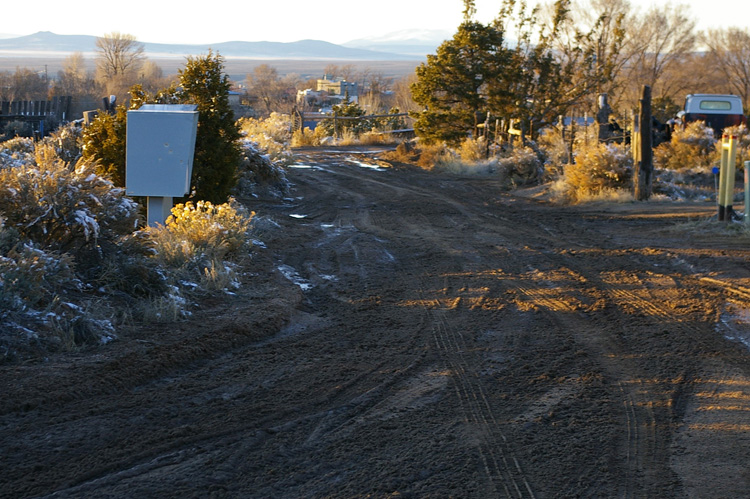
[[432, 337]]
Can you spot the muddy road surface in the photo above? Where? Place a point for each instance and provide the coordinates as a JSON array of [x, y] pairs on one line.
[[410, 334]]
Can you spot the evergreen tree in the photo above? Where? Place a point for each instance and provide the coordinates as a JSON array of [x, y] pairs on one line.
[[475, 74], [457, 84], [104, 141], [346, 109], [217, 152]]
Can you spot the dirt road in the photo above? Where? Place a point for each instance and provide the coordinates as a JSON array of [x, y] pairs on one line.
[[407, 334]]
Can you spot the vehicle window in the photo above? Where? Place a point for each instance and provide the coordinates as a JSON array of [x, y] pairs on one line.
[[715, 105]]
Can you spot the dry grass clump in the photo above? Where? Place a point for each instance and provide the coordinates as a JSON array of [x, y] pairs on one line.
[[689, 148], [474, 150], [600, 170], [425, 156], [434, 156], [305, 138], [201, 234], [375, 138], [271, 135], [521, 166]]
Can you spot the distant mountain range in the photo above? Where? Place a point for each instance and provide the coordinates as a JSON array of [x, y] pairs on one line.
[[398, 46]]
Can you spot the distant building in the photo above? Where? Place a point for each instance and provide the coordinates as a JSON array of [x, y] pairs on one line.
[[328, 93], [338, 88], [311, 99]]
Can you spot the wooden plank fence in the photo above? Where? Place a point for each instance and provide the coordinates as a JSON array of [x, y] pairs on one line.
[[57, 107]]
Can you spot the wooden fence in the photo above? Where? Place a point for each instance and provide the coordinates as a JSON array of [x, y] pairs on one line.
[[57, 107], [302, 120]]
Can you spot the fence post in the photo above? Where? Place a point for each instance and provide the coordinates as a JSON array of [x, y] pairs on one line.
[[644, 165]]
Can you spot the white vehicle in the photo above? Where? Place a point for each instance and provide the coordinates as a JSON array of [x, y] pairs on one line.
[[718, 111]]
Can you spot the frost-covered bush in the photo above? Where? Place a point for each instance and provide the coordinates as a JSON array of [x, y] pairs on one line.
[[554, 150], [257, 174], [687, 183], [272, 135], [689, 148], [598, 169], [197, 235], [16, 152], [64, 144], [264, 150], [64, 210], [32, 278], [522, 166]]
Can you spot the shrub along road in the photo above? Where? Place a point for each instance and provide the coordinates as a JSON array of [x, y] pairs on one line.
[[415, 334]]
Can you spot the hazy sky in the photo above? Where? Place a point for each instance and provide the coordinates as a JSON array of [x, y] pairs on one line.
[[204, 22]]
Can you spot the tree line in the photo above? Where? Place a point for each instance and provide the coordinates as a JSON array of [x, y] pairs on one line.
[[536, 64], [528, 64]]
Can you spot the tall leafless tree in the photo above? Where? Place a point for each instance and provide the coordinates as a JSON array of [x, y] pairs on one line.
[[729, 49], [273, 92], [75, 79], [661, 40], [119, 58]]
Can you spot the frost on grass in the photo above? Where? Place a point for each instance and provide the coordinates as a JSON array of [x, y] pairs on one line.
[[265, 153], [59, 227], [16, 152], [74, 264], [199, 240]]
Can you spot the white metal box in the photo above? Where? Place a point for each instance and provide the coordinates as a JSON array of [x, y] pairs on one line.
[[160, 146]]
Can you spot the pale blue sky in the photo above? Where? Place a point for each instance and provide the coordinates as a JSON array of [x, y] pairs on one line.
[[282, 20]]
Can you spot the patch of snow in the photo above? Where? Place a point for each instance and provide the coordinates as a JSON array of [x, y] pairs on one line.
[[291, 274], [297, 215], [736, 323], [361, 164]]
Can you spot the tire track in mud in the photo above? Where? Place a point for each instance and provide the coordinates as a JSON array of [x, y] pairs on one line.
[[500, 463], [453, 342], [555, 303], [654, 405], [651, 406], [501, 466]]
